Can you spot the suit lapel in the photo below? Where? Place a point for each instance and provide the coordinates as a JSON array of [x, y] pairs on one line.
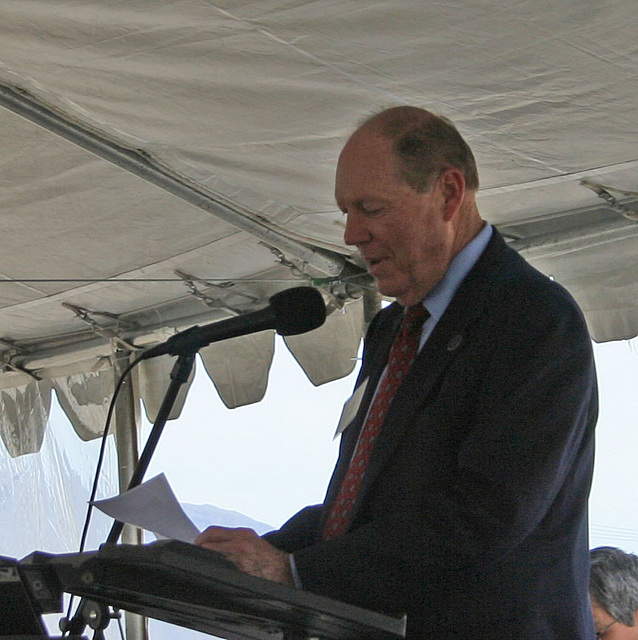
[[372, 368], [445, 344]]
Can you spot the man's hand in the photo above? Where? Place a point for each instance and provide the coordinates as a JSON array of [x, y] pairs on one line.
[[249, 553]]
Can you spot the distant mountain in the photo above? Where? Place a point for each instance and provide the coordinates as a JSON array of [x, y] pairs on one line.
[[205, 515]]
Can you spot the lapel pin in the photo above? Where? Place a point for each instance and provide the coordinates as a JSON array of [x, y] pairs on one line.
[[454, 342]]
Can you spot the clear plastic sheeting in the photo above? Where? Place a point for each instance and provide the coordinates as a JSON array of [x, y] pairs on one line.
[[44, 497]]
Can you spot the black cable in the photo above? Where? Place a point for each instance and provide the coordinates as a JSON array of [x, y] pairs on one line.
[[98, 470]]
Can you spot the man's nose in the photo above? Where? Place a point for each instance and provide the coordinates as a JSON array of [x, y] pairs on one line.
[[356, 231]]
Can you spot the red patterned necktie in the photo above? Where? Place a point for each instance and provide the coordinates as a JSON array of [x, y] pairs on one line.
[[402, 354]]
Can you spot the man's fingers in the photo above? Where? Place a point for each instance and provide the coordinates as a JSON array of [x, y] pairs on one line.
[[248, 552], [213, 535]]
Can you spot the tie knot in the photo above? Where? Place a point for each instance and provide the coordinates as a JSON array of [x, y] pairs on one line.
[[415, 317]]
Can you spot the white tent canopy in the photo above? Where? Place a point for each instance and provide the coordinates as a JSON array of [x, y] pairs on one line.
[[166, 164]]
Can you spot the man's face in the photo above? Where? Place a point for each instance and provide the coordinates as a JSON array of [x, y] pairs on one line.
[[402, 234], [609, 629]]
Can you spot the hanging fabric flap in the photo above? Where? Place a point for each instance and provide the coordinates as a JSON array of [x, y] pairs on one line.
[[239, 367], [85, 399], [24, 412], [154, 380], [330, 352]]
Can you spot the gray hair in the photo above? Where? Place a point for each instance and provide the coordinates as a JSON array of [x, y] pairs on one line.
[[613, 583], [425, 145]]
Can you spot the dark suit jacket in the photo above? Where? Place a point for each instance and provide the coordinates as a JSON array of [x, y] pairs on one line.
[[472, 518]]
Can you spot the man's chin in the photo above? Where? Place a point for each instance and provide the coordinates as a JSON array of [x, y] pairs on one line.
[[389, 288], [406, 298]]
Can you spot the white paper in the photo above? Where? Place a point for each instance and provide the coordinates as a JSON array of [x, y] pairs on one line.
[[350, 408], [153, 506]]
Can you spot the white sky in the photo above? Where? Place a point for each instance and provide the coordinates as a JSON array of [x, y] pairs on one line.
[[613, 504], [265, 460], [270, 459]]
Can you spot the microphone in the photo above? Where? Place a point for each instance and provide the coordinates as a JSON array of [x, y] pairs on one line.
[[290, 312]]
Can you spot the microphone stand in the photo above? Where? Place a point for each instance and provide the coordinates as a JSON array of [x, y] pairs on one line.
[[86, 612], [179, 375], [311, 314]]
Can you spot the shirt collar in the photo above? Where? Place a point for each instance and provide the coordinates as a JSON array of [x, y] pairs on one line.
[[437, 301]]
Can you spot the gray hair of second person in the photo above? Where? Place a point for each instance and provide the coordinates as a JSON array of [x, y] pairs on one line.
[[613, 583]]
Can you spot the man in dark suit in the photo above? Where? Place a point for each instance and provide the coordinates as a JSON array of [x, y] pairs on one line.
[[470, 511]]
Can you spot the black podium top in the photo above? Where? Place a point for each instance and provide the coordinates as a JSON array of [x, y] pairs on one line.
[[19, 615], [189, 586]]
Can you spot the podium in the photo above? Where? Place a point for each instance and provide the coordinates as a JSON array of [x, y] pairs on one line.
[[192, 587], [19, 615]]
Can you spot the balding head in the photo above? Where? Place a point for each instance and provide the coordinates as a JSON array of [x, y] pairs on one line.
[[424, 144], [401, 181]]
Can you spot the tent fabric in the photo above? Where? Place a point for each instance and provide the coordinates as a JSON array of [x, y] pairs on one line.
[[24, 416], [169, 163], [85, 399], [245, 381]]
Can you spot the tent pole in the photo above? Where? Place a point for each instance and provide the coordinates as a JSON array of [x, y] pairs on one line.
[[126, 428], [144, 165]]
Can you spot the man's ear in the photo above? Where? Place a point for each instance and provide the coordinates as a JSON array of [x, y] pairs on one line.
[[452, 185]]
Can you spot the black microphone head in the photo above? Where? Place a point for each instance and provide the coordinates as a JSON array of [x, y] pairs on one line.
[[298, 310]]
